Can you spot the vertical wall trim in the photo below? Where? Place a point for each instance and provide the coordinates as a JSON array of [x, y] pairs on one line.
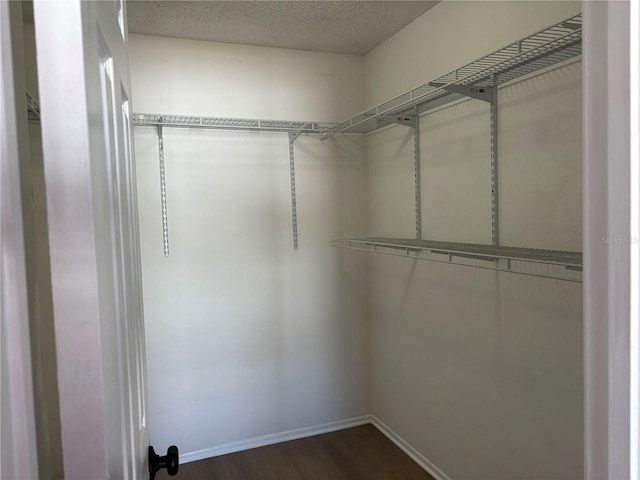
[[595, 256], [634, 93]]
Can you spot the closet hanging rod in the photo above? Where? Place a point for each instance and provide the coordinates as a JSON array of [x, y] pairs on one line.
[[221, 123]]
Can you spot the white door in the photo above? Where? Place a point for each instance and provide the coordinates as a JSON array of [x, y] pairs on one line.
[[83, 74]]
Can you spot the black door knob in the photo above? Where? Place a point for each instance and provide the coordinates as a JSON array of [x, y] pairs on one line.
[[170, 461]]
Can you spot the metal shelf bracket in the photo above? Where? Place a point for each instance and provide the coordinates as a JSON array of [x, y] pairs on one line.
[[163, 193], [572, 25], [404, 120], [416, 172], [488, 94], [33, 109], [495, 211], [479, 92], [293, 135]]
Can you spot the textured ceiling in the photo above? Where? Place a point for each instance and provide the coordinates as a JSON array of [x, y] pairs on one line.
[[336, 26]]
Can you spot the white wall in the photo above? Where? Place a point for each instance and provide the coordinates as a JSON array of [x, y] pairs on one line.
[[246, 337], [228, 80], [480, 371]]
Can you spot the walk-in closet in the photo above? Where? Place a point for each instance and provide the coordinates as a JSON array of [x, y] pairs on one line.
[[263, 175], [360, 235]]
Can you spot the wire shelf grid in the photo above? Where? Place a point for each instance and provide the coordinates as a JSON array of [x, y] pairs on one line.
[[192, 121]]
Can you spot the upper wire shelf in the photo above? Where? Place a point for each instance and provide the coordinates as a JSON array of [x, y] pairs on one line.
[[552, 45], [192, 121]]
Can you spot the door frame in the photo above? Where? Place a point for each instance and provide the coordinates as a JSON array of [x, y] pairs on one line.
[[611, 294], [18, 451]]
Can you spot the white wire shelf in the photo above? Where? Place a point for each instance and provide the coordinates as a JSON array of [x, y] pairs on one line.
[[558, 264], [33, 109], [192, 121], [552, 45]]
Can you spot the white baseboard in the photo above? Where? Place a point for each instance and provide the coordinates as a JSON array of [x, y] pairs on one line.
[[271, 439], [264, 440], [409, 450]]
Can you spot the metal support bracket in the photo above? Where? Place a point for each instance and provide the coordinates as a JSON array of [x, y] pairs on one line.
[[474, 91], [487, 94], [293, 135], [163, 193], [404, 120], [416, 167], [495, 213], [572, 25]]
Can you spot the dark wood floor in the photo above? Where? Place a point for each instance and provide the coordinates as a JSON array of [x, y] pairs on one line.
[[351, 454]]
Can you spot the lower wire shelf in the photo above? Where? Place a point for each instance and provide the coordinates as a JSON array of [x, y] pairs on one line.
[[557, 264]]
